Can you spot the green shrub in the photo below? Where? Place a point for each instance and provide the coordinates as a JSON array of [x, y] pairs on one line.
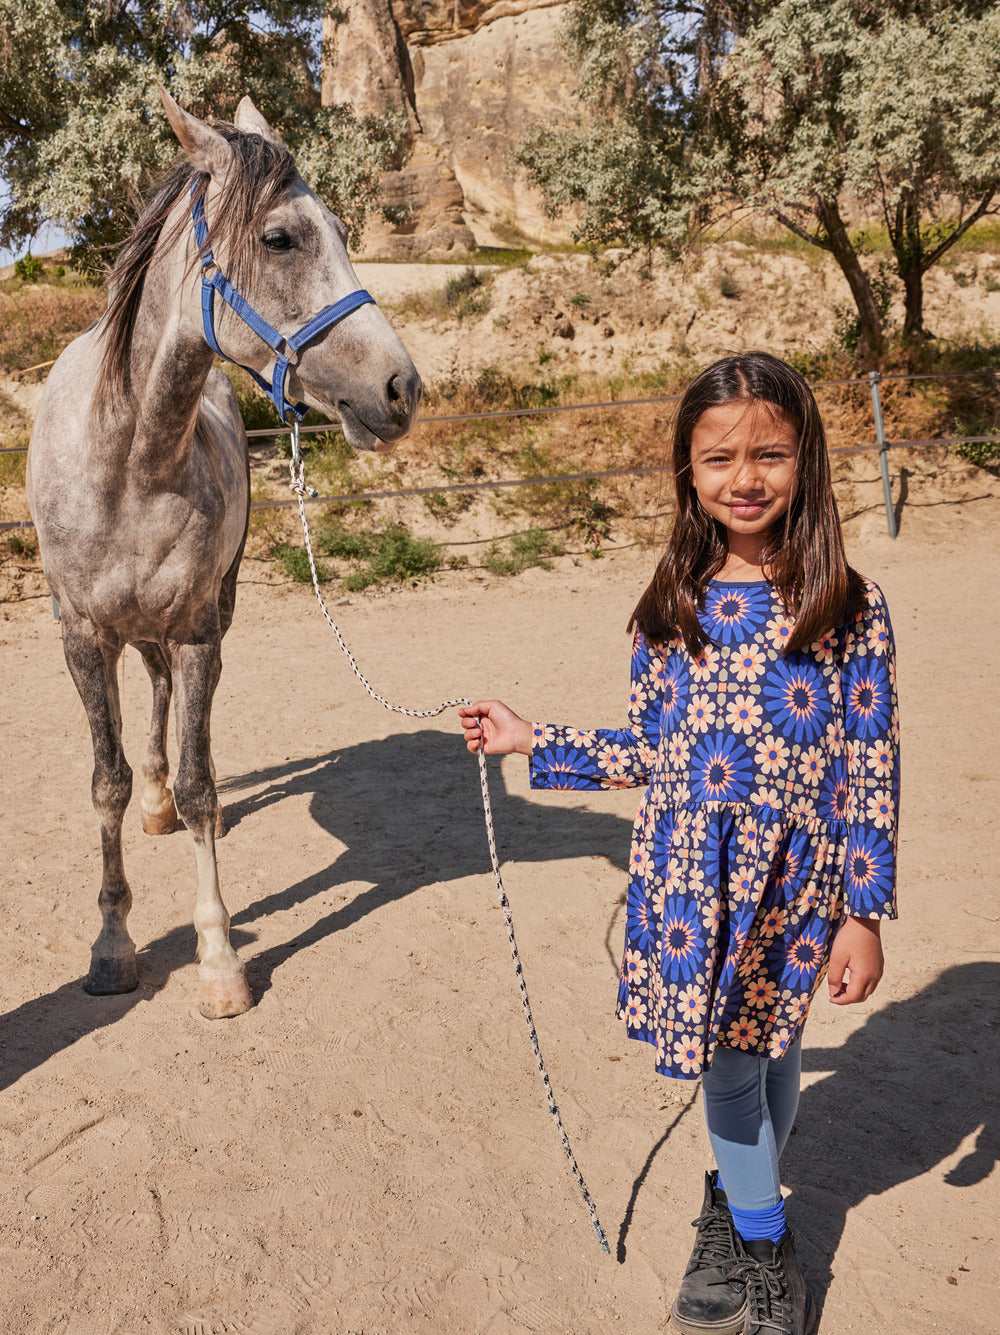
[[390, 555], [22, 546], [982, 453], [847, 329], [728, 286], [296, 563], [467, 294], [532, 548], [335, 539], [29, 268], [393, 555], [446, 507], [12, 468]]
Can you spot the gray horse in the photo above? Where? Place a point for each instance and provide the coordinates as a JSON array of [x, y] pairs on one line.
[[138, 480]]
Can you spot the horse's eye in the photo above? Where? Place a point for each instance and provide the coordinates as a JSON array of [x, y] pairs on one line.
[[277, 239]]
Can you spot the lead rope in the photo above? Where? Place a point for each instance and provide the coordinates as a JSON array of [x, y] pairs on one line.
[[298, 485]]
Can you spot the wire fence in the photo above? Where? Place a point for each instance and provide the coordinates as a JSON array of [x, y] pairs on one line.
[[873, 381]]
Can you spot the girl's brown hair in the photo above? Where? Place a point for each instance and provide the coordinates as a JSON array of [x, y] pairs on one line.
[[804, 557]]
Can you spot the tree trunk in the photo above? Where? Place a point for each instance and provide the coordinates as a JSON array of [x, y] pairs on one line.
[[871, 342], [910, 266], [913, 318]]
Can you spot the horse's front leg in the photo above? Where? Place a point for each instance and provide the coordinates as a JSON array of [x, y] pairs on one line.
[[92, 661], [159, 815], [196, 668]]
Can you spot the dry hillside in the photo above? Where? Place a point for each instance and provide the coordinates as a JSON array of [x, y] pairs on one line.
[[560, 329]]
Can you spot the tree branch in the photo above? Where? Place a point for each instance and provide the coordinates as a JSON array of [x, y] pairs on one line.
[[803, 233], [13, 126], [980, 212]]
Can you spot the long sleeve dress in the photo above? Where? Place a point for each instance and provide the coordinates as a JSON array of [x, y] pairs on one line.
[[770, 812]]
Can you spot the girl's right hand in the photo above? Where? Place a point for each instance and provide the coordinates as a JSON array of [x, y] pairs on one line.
[[492, 727]]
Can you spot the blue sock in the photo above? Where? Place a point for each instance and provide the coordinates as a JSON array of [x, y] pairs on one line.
[[754, 1224]]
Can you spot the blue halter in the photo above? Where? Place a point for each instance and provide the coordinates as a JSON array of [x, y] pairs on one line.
[[331, 315]]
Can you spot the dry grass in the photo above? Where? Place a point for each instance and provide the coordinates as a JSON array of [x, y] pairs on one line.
[[37, 322], [582, 515]]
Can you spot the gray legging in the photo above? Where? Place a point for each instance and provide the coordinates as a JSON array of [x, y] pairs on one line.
[[750, 1105]]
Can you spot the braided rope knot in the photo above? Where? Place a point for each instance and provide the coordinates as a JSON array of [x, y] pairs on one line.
[[297, 470], [298, 485]]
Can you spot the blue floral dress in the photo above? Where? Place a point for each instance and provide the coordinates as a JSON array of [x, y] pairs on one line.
[[770, 812]]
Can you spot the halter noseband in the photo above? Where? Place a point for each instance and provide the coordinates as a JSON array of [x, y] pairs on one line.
[[330, 315]]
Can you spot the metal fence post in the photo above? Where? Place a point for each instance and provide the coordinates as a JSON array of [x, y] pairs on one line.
[[883, 451]]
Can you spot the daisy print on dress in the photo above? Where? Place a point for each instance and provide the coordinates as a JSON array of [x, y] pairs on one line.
[[868, 873], [748, 662], [771, 811], [674, 693], [732, 609], [681, 935], [721, 770], [866, 695], [802, 959], [796, 699]]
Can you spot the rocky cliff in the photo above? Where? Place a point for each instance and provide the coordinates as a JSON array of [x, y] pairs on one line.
[[471, 78]]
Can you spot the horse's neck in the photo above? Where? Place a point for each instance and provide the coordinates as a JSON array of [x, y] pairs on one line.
[[170, 363]]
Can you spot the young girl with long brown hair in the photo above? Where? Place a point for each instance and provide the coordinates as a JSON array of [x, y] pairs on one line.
[[763, 721]]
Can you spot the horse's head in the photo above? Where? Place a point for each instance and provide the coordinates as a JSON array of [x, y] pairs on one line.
[[286, 254]]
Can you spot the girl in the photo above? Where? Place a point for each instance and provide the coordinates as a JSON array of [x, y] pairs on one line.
[[763, 720]]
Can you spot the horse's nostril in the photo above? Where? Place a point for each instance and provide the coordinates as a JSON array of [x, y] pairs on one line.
[[403, 394]]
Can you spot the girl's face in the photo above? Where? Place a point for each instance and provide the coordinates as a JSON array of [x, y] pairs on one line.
[[744, 466]]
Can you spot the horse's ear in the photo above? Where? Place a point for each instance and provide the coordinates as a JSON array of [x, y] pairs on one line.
[[249, 119], [207, 149]]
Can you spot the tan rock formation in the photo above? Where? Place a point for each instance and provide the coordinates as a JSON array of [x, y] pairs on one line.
[[472, 77], [366, 62]]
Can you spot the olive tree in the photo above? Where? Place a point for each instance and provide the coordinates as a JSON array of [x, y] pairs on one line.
[[820, 116], [82, 130]]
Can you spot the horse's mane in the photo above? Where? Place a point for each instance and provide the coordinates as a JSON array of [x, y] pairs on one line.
[[263, 172]]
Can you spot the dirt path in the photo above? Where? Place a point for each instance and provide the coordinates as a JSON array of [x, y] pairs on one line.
[[368, 1151]]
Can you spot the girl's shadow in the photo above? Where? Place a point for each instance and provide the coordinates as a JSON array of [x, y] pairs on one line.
[[904, 1092]]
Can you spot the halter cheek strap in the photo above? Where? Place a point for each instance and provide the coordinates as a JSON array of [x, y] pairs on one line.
[[219, 283]]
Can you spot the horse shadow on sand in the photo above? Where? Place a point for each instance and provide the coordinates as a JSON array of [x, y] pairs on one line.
[[409, 810]]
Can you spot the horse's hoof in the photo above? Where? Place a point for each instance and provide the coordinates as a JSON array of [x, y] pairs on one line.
[[221, 827], [108, 977], [222, 998], [163, 820]]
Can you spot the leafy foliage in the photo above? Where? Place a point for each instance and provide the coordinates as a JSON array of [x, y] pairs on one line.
[[794, 108], [82, 131], [296, 563], [532, 548], [389, 555], [29, 268], [982, 453]]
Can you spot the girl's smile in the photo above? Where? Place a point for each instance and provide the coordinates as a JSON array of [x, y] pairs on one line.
[[744, 468]]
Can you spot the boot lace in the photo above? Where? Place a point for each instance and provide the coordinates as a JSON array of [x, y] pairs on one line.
[[768, 1303], [714, 1243]]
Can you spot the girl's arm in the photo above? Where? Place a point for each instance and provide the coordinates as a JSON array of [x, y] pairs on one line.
[[871, 721], [564, 757]]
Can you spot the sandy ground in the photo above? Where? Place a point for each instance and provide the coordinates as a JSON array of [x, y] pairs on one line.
[[368, 1151]]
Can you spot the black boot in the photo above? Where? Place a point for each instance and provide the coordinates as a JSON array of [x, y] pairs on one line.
[[711, 1300], [778, 1301]]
